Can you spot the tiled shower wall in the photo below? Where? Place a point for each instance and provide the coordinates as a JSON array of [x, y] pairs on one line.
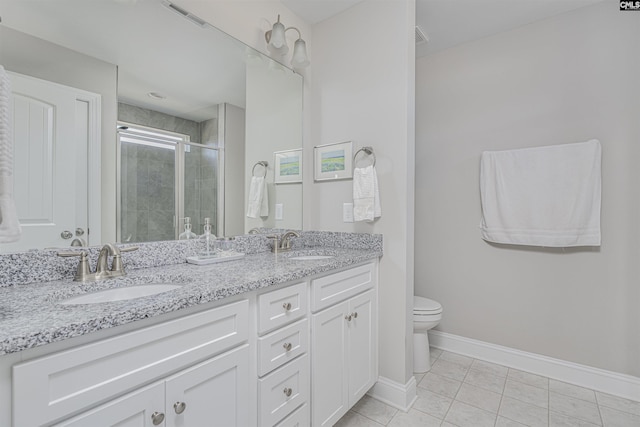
[[148, 176]]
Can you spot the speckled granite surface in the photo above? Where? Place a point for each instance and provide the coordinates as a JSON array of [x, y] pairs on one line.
[[45, 265], [30, 315]]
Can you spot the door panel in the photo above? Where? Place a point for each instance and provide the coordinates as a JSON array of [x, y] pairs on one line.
[[214, 393], [362, 345], [51, 127], [131, 410]]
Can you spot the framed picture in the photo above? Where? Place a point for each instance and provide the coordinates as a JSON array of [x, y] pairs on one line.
[[333, 161], [288, 166]]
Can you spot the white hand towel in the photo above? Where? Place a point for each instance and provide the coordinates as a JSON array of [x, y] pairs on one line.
[[544, 196], [258, 204], [10, 229], [366, 197]]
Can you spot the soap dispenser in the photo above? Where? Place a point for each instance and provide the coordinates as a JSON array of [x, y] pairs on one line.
[[187, 234], [208, 239]]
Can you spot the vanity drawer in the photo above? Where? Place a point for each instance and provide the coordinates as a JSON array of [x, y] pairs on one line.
[[301, 417], [54, 386], [331, 289], [282, 306], [277, 348], [282, 391]]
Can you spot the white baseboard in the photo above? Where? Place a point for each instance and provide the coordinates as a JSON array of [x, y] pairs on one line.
[[401, 396], [622, 385]]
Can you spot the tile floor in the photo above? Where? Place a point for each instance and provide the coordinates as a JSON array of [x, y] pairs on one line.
[[465, 392]]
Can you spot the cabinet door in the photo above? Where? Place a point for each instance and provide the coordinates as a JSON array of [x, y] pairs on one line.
[[328, 365], [131, 410], [213, 393], [362, 345]]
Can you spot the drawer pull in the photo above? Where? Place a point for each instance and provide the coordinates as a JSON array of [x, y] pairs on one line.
[[179, 407], [287, 346], [287, 391], [286, 306], [157, 418]]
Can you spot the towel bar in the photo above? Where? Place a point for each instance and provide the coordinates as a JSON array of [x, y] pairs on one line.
[[366, 150], [262, 163]]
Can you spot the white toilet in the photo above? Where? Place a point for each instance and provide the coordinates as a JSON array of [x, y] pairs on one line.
[[426, 315]]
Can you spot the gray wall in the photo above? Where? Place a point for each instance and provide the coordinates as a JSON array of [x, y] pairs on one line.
[[566, 79], [362, 89]]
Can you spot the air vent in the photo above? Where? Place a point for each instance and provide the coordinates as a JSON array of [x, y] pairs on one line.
[[421, 37], [184, 13]]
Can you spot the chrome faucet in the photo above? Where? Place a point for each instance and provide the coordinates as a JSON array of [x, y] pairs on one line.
[[83, 272], [283, 244]]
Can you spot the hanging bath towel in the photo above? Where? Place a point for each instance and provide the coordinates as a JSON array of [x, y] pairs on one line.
[[366, 197], [258, 204], [10, 230], [544, 196]]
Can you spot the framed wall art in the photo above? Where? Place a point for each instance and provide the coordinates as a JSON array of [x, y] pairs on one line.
[[288, 166], [333, 161]]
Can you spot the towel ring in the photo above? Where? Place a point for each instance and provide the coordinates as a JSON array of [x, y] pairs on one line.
[[262, 163], [368, 151]]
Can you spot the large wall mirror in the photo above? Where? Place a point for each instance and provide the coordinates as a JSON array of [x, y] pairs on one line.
[[129, 116]]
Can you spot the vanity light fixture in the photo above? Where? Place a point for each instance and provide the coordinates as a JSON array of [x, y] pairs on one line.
[[277, 44]]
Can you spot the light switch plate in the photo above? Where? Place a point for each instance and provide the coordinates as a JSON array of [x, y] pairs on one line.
[[278, 211], [347, 212]]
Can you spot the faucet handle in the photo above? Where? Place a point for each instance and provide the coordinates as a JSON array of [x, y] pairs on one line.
[[83, 271], [276, 242], [116, 264]]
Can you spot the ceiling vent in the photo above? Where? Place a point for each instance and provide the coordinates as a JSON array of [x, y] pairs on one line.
[[186, 14], [421, 37]]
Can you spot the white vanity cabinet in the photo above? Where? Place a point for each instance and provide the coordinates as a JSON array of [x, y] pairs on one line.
[[211, 393], [198, 360], [343, 341], [297, 354], [283, 362]]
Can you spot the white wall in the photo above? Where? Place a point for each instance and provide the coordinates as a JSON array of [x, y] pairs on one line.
[[363, 91], [565, 79], [274, 123], [231, 128]]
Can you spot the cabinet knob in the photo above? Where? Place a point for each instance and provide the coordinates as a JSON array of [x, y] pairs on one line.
[[355, 314], [157, 418], [179, 407], [286, 306], [348, 317], [287, 391], [287, 346]]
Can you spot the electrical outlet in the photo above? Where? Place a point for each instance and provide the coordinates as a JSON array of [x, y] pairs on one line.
[[279, 208], [347, 212]]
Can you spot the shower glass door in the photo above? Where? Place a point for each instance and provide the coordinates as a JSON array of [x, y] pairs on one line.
[[163, 178]]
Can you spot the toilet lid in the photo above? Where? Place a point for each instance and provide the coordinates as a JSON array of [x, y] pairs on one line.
[[425, 305]]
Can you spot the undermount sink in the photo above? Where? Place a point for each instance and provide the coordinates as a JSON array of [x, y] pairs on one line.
[[120, 294], [310, 257]]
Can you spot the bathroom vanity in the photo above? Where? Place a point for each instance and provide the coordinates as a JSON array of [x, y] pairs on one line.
[[266, 340]]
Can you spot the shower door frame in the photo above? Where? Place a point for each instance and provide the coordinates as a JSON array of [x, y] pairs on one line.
[[182, 141]]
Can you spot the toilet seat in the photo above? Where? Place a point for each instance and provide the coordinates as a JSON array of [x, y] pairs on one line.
[[425, 306]]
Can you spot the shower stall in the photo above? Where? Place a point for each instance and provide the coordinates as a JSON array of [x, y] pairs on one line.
[[163, 177]]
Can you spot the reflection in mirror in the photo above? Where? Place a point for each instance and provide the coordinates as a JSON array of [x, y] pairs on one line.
[[167, 117]]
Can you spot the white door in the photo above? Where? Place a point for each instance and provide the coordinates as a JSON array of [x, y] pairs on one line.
[[329, 395], [362, 345], [53, 126], [213, 393], [142, 408]]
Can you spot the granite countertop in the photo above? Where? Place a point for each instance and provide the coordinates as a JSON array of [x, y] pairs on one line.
[[30, 315]]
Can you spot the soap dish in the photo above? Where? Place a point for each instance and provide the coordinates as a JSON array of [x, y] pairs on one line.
[[218, 257]]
